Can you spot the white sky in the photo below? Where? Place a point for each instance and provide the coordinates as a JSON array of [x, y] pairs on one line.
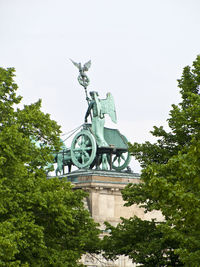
[[138, 50]]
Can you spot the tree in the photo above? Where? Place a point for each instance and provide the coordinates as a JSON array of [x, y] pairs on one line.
[[170, 184], [142, 241], [42, 221]]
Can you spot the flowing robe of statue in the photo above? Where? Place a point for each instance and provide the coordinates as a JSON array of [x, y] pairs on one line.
[[98, 119], [99, 108]]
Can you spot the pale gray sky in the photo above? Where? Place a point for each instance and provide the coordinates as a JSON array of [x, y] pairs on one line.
[[138, 50]]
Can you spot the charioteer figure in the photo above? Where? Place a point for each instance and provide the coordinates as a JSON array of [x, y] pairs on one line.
[[100, 107]]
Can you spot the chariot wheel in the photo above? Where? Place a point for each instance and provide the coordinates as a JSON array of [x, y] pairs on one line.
[[121, 160], [83, 149]]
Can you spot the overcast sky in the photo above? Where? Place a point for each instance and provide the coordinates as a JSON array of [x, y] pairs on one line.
[[138, 50]]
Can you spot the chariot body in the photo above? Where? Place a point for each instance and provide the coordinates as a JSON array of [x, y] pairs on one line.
[[95, 146], [85, 153]]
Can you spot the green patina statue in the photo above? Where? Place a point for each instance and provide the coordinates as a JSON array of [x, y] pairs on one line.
[[95, 145], [97, 108], [82, 77]]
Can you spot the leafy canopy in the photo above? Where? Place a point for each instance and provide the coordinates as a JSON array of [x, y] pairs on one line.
[[42, 221], [170, 184]]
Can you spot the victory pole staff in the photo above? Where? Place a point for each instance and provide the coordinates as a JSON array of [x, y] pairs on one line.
[[83, 78]]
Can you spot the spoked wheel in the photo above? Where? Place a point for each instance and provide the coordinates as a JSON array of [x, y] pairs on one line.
[[83, 149], [121, 160]]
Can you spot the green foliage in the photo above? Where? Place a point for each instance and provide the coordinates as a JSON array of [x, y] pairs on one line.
[[42, 221], [171, 181], [142, 241]]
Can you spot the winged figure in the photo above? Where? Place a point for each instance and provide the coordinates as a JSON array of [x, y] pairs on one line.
[[108, 107], [98, 108]]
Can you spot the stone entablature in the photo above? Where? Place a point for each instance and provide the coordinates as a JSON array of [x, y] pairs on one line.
[[105, 203]]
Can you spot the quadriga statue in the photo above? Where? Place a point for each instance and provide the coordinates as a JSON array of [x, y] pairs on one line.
[[95, 146]]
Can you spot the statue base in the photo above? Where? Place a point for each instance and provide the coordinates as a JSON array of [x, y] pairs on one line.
[[105, 201]]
